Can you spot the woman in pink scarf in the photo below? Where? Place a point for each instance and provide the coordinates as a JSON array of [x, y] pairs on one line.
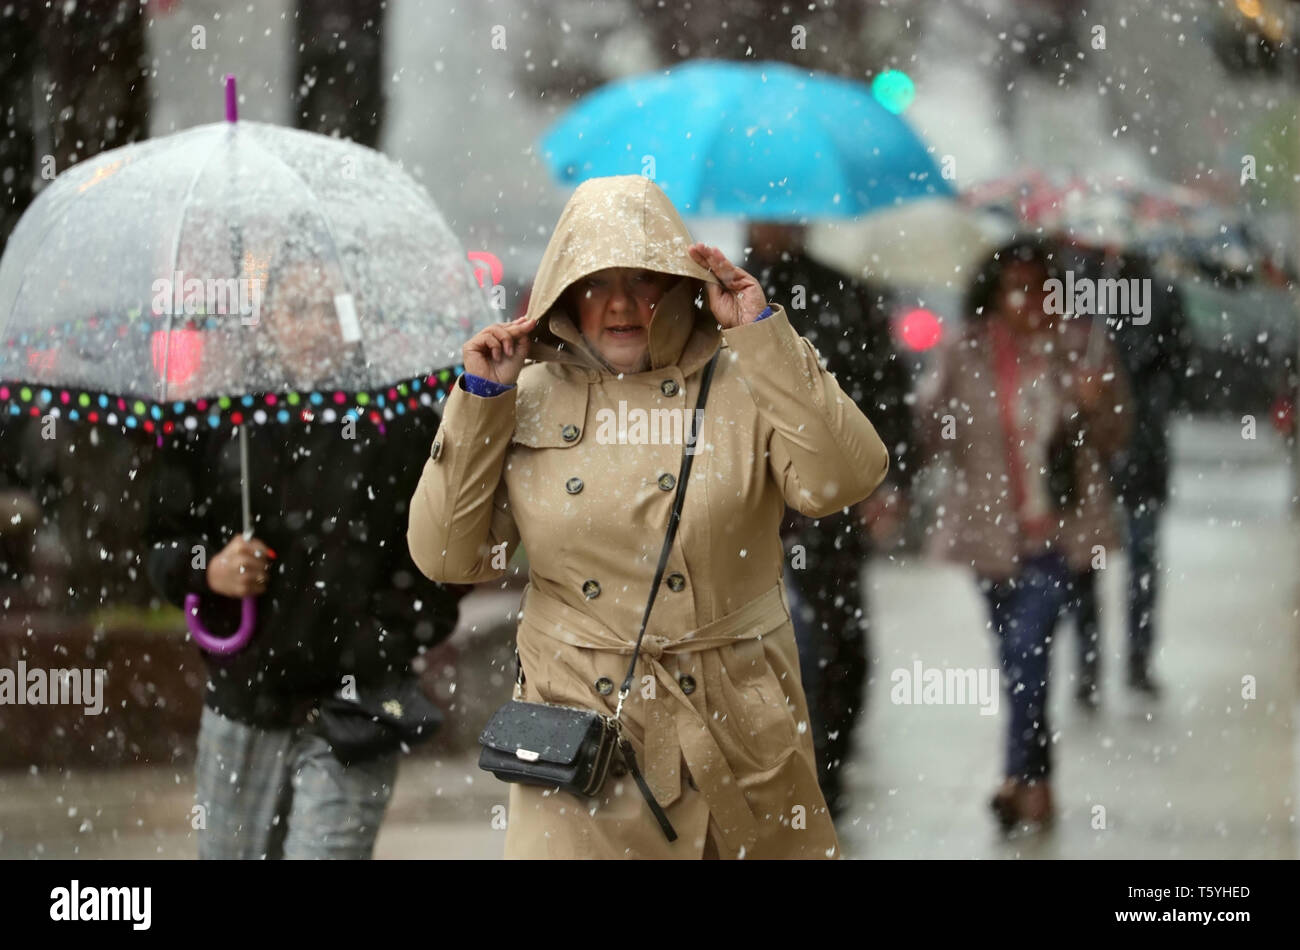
[[1028, 421]]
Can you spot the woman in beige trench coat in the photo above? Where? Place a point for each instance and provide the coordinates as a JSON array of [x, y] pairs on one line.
[[578, 461]]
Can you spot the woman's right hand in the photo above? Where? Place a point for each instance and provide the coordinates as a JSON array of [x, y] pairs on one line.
[[498, 352]]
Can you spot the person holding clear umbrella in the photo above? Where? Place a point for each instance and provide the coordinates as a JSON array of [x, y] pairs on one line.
[[282, 332], [339, 603]]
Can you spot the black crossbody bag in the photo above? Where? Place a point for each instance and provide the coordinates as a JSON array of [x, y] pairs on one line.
[[384, 718], [544, 744]]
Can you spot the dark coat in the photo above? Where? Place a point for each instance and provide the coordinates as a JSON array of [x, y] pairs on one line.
[[343, 596], [1155, 358], [842, 318]]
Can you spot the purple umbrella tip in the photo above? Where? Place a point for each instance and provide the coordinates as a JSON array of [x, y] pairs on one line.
[[232, 99]]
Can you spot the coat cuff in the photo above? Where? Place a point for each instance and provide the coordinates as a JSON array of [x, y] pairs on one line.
[[483, 387], [470, 421], [770, 332]]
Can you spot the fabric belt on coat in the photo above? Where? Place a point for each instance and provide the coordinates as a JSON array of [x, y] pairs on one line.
[[675, 730]]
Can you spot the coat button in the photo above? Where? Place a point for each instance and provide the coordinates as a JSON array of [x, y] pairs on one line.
[[604, 686], [436, 450], [667, 482], [669, 387], [569, 432], [573, 485], [676, 582], [687, 683], [590, 589]]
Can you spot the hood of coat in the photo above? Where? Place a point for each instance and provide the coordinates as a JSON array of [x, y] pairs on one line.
[[621, 221]]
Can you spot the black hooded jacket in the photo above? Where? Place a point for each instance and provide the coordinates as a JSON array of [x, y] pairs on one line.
[[342, 597]]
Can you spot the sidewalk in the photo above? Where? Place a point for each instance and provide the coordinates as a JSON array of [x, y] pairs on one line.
[[1200, 774]]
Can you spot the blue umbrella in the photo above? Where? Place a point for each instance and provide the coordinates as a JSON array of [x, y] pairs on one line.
[[762, 140]]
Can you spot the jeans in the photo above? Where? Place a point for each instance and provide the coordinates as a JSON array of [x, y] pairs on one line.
[[1143, 573], [1024, 611], [281, 793]]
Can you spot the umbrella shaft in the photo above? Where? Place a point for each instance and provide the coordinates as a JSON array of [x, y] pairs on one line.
[[243, 480]]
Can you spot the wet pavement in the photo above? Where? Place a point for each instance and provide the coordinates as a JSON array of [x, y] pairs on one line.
[[1201, 773]]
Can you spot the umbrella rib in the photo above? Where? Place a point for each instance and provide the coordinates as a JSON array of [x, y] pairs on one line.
[[175, 258], [320, 209], [329, 230]]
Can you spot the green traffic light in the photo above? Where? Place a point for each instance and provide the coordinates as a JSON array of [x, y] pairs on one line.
[[894, 90]]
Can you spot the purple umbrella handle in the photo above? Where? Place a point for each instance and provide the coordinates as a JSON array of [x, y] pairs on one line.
[[221, 645], [232, 99]]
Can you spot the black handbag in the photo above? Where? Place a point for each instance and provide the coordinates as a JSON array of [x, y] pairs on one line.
[[383, 718], [570, 748]]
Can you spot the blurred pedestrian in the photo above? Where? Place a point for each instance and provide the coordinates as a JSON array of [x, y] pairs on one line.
[[1153, 350], [96, 91], [717, 718], [844, 319], [340, 607], [1029, 435], [339, 68], [94, 96]]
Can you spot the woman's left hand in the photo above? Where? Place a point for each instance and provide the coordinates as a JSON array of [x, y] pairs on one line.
[[740, 299]]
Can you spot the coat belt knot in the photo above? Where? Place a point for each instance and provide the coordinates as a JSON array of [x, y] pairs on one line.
[[673, 727]]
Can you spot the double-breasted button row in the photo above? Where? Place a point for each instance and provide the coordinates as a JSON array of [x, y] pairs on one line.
[[591, 589]]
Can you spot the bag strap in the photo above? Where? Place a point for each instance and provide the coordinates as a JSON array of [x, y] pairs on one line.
[[683, 478], [674, 518], [656, 809]]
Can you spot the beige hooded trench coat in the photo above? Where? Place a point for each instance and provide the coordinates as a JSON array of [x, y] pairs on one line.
[[717, 715]]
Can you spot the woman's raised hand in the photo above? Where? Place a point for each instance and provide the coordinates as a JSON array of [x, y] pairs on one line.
[[740, 299], [498, 352]]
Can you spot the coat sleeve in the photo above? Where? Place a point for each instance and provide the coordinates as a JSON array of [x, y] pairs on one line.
[[460, 511], [881, 384], [174, 528], [823, 452], [177, 528]]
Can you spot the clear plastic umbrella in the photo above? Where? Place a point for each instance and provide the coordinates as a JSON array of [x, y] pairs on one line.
[[232, 274], [229, 260]]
